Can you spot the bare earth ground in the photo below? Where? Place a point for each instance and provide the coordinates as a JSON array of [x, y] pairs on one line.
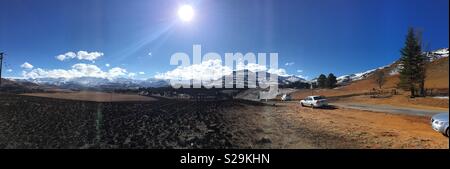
[[361, 96], [403, 101], [291, 126], [388, 109], [33, 122], [92, 96]]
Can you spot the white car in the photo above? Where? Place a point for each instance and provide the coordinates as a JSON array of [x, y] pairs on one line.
[[439, 122], [314, 101]]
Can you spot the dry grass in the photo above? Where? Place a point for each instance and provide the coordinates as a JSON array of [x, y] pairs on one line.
[[403, 101], [370, 129], [437, 74], [437, 78]]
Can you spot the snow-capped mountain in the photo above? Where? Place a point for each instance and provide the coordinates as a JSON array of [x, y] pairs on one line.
[[437, 54], [341, 80], [242, 77], [124, 83], [282, 79], [291, 79], [96, 82], [393, 68]]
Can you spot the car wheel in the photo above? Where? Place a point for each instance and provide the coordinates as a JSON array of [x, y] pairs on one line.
[[302, 105], [446, 132]]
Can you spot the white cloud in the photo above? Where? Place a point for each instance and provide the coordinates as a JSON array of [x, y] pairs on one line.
[[253, 67], [27, 65], [279, 72], [303, 77], [77, 70], [117, 71], [289, 63], [68, 55], [213, 69], [107, 65], [131, 74], [9, 70], [210, 69], [142, 73], [83, 55], [80, 55]]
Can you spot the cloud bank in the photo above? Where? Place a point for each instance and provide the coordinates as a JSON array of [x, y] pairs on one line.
[[27, 65], [213, 69], [80, 55], [77, 70]]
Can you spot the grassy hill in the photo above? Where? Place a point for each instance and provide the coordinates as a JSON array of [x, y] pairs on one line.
[[437, 79]]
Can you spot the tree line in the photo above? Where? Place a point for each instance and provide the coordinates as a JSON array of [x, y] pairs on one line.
[[329, 81]]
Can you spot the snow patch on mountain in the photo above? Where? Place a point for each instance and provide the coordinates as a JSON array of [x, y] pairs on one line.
[[437, 54], [341, 80], [97, 82], [395, 67]]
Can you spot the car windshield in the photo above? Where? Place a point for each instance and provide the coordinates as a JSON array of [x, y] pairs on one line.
[[318, 97]]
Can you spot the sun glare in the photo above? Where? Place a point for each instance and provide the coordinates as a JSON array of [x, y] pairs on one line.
[[186, 13]]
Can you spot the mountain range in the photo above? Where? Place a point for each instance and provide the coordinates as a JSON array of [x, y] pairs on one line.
[[393, 68], [129, 83]]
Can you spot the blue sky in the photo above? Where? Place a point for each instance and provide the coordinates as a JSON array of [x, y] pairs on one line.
[[315, 36]]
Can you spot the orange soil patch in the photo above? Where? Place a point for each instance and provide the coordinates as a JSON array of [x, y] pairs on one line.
[[92, 96], [437, 74], [403, 101], [437, 78], [372, 129], [288, 125]]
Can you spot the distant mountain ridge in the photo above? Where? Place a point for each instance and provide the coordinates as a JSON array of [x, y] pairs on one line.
[[393, 68], [94, 82], [129, 83]]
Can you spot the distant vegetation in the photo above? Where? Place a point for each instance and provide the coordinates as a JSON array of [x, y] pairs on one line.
[[380, 78], [296, 85], [413, 61], [327, 82]]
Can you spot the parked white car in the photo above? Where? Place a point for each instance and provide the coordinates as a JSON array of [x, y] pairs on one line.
[[314, 101], [439, 122]]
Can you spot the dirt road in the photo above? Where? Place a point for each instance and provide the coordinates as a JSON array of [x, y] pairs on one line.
[[389, 109]]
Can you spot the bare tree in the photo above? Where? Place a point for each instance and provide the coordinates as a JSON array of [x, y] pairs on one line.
[[379, 78]]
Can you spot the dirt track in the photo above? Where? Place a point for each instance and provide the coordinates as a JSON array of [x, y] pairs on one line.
[[389, 109]]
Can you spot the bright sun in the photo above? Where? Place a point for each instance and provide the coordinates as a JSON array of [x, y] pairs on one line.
[[186, 13]]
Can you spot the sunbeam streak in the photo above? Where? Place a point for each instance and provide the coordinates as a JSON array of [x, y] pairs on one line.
[[133, 48]]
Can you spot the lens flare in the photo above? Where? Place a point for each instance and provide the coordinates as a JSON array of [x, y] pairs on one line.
[[186, 13]]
